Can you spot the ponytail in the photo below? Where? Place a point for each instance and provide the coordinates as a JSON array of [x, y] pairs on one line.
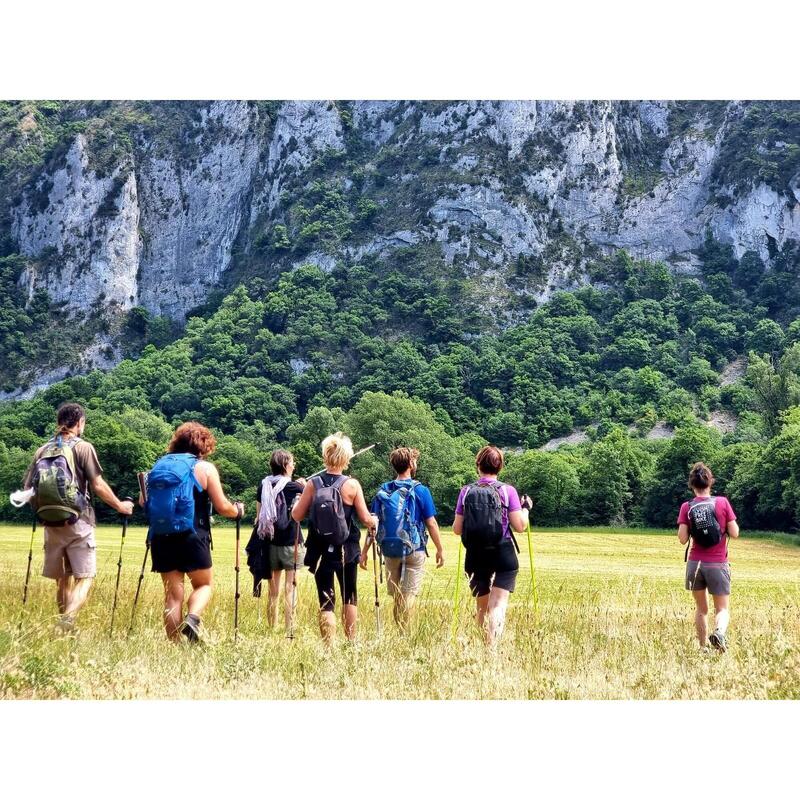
[[700, 476]]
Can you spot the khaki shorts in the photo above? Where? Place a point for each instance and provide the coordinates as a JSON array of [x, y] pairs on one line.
[[282, 557], [70, 550], [410, 582]]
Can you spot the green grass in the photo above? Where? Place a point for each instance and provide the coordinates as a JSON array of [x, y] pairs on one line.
[[613, 622]]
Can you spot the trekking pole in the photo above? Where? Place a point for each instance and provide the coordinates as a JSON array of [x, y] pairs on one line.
[[237, 595], [30, 559], [534, 591], [362, 450], [142, 478], [119, 568], [377, 597], [139, 585], [455, 594], [294, 581]]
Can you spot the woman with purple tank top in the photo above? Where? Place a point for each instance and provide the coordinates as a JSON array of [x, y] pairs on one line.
[[492, 571], [707, 568]]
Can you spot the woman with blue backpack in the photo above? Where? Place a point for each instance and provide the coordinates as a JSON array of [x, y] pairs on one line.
[[333, 501], [181, 488], [487, 513], [708, 520], [406, 512]]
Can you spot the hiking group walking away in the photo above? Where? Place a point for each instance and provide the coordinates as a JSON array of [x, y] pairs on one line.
[[183, 487]]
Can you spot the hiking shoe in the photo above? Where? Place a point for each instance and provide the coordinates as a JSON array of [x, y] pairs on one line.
[[190, 628], [66, 625], [717, 640]]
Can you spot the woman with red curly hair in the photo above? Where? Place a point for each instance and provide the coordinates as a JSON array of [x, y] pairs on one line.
[[188, 552]]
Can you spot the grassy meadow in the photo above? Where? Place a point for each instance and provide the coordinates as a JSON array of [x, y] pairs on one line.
[[613, 622]]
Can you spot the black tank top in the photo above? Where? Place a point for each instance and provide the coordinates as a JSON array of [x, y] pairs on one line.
[[352, 547]]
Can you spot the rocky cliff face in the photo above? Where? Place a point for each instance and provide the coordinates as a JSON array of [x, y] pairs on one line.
[[486, 183]]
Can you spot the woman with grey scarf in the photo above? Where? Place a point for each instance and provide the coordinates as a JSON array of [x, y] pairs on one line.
[[276, 495]]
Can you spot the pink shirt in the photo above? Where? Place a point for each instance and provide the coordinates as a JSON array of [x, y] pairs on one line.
[[719, 552]]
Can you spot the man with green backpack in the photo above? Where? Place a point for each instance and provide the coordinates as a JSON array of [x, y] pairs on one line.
[[64, 471], [407, 516]]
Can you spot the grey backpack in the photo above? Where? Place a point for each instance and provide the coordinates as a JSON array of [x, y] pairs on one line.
[[327, 510]]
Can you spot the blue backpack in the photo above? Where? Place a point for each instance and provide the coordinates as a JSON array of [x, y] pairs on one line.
[[399, 533], [170, 494]]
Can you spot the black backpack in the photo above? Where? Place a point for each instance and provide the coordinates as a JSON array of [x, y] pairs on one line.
[[483, 515], [327, 511], [703, 523]]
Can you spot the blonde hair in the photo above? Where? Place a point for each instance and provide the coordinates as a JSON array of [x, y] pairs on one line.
[[337, 450]]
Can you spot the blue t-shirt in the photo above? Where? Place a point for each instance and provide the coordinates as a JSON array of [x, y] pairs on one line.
[[423, 507]]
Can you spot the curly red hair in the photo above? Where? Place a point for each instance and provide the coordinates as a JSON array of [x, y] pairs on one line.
[[192, 437]]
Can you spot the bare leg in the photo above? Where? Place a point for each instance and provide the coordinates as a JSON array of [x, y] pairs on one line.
[[201, 590], [327, 626], [721, 612], [272, 598], [76, 596], [173, 603], [289, 597], [701, 616], [349, 618], [403, 609], [482, 604], [496, 615], [62, 592]]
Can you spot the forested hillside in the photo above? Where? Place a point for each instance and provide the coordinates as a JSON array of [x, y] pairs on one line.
[[364, 288]]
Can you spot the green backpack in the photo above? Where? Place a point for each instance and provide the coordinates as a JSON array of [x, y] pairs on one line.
[[57, 497]]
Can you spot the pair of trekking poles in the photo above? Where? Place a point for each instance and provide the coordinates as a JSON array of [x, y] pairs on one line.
[[119, 570], [143, 489]]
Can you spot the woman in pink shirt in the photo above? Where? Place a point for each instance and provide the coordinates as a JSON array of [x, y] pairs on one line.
[[709, 521]]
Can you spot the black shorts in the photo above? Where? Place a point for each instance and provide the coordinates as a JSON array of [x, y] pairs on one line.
[[324, 578], [181, 552], [496, 566]]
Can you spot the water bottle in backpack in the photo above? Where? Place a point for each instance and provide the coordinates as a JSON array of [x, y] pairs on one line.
[[399, 533], [327, 511], [170, 494]]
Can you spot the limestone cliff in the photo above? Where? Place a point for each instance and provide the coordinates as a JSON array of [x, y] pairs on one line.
[[253, 188]]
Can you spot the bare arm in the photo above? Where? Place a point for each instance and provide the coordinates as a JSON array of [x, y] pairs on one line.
[[363, 513], [518, 519], [301, 506], [433, 531], [458, 524], [210, 477], [683, 533], [733, 529], [102, 490]]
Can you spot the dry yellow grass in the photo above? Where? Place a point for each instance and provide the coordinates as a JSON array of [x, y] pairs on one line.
[[613, 622]]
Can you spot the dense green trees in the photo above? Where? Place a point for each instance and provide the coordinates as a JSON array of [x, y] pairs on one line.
[[320, 351]]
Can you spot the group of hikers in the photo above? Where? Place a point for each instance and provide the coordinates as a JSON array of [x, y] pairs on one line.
[[180, 491]]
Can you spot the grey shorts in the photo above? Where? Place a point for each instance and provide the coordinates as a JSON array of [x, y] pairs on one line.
[[408, 580], [282, 557], [70, 550], [716, 577]]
